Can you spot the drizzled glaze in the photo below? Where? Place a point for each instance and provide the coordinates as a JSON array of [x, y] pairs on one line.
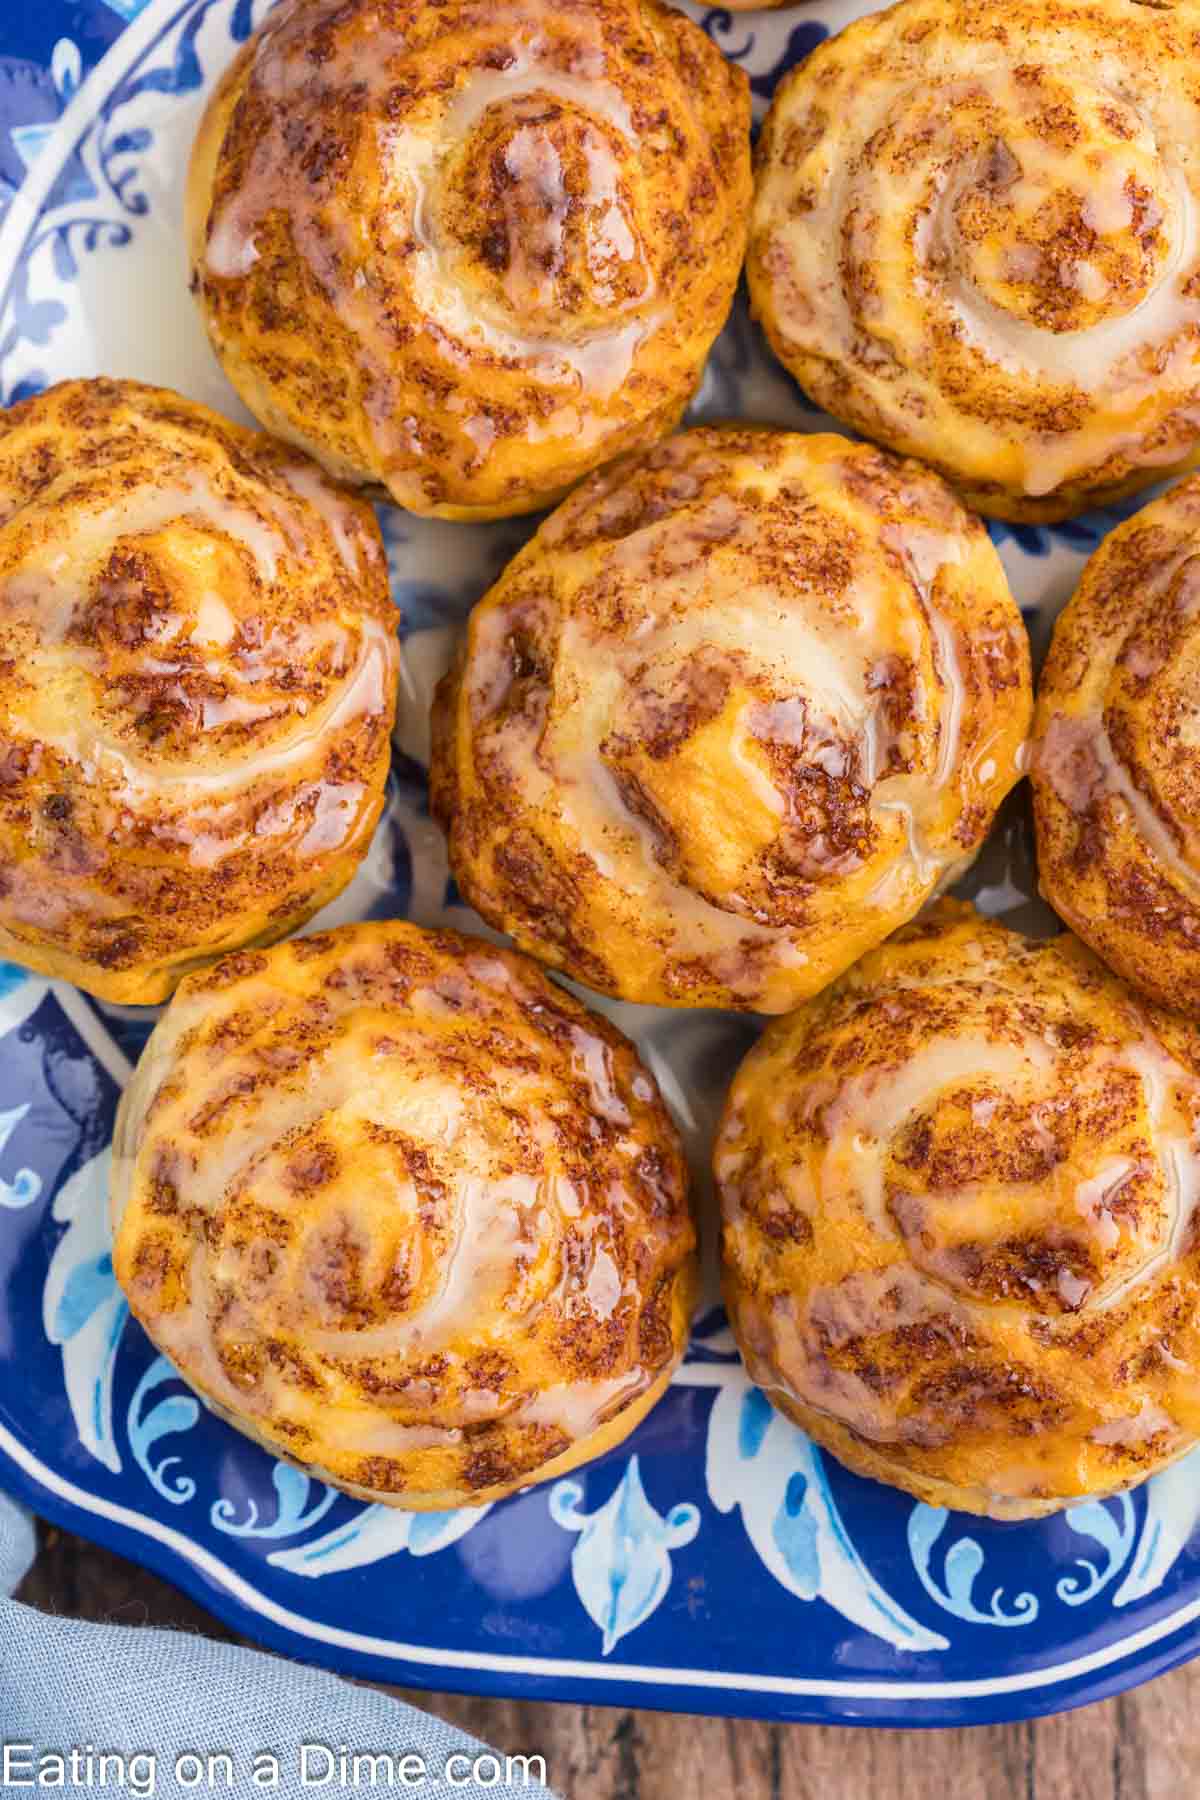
[[201, 667], [961, 1241], [732, 716], [976, 237], [405, 1211], [1116, 752], [470, 252]]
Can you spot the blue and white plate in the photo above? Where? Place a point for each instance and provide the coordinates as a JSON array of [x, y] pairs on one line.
[[715, 1561]]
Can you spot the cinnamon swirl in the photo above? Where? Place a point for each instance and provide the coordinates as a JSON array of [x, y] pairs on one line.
[[1116, 755], [404, 1211], [198, 664], [959, 1194], [976, 238], [740, 707], [470, 252]]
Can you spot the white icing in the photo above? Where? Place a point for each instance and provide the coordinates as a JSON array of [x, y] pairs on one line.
[[878, 189], [685, 608], [601, 359]]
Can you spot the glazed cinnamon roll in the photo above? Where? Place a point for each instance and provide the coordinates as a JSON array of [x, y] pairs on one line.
[[959, 1197], [198, 664], [740, 707], [1116, 757], [404, 1211], [470, 253], [976, 238]]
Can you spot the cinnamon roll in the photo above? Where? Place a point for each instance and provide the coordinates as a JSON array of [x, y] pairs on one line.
[[470, 253], [976, 238], [405, 1212], [1116, 754], [740, 707], [198, 664], [959, 1197]]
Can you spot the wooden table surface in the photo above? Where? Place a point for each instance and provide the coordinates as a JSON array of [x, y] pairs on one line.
[[1143, 1746]]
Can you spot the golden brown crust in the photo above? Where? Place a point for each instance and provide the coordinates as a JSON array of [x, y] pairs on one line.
[[406, 1212], [1116, 755], [976, 238], [960, 1237], [730, 718], [197, 683], [470, 251]]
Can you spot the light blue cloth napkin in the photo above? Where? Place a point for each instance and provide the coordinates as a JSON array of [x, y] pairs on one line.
[[149, 1698]]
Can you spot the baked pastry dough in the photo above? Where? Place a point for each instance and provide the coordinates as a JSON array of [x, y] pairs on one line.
[[470, 252], [733, 715], [959, 1195], [1116, 756], [976, 238], [404, 1211], [198, 665]]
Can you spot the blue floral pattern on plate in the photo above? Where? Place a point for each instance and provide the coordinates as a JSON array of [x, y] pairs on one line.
[[716, 1560], [621, 1566]]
